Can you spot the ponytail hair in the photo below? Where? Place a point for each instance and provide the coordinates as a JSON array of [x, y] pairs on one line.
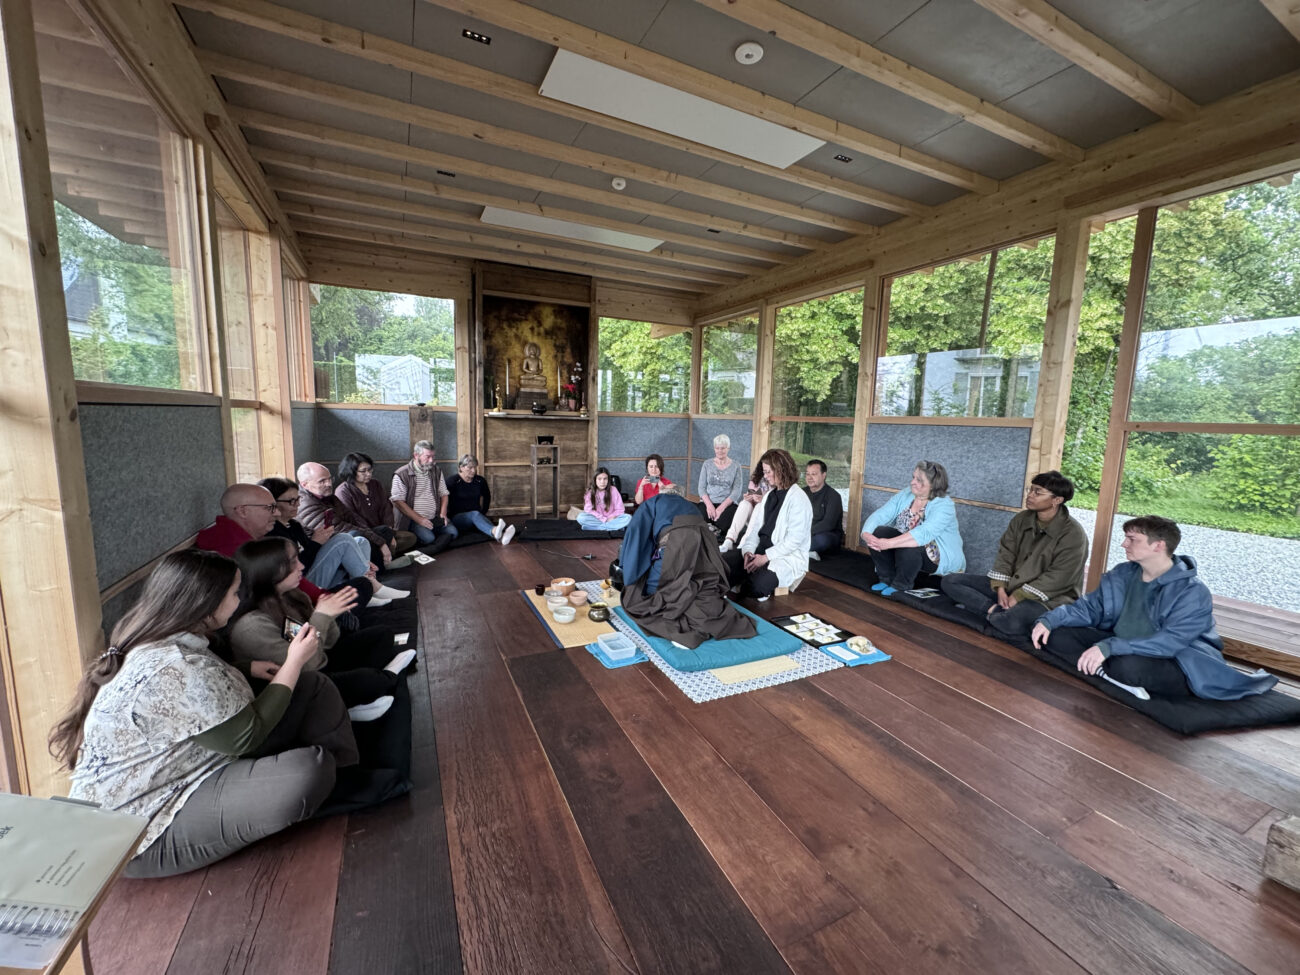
[[180, 596]]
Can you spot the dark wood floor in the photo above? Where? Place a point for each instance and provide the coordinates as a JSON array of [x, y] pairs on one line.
[[959, 809]]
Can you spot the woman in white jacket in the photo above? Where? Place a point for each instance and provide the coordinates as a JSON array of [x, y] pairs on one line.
[[774, 551]]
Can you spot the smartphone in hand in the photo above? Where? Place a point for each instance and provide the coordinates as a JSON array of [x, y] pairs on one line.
[[291, 629]]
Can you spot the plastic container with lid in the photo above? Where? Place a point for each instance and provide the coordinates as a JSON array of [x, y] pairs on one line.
[[616, 646]]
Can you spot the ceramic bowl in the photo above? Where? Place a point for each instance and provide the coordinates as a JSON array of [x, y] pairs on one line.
[[564, 584], [598, 612], [556, 602], [564, 614], [577, 597]]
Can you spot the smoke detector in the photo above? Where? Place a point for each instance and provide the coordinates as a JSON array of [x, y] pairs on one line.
[[619, 183], [750, 52]]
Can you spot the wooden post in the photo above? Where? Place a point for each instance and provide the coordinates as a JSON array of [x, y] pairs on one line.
[[47, 559], [468, 379], [1060, 340], [1116, 437], [869, 345], [210, 262], [763, 361], [270, 354]]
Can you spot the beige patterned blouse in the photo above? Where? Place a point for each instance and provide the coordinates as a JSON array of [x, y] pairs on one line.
[[138, 754]]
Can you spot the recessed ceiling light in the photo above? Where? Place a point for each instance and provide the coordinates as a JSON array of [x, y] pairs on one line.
[[749, 53], [474, 35], [623, 95], [840, 157]]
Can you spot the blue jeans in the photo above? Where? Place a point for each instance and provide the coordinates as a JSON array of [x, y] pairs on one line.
[[427, 535], [343, 557], [471, 519], [592, 523]]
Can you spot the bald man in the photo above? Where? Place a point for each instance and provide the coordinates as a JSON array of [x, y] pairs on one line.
[[317, 508]]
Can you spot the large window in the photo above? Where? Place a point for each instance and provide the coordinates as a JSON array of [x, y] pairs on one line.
[[643, 368], [964, 339], [729, 366], [815, 358], [378, 347], [123, 186]]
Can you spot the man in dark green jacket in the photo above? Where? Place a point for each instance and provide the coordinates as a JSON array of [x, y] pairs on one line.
[[1039, 565]]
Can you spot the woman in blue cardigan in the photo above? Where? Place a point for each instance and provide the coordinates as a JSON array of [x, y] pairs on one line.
[[915, 531]]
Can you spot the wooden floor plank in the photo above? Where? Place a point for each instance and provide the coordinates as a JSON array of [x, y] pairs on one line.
[[527, 896], [267, 909], [513, 624], [659, 876], [116, 944], [854, 943], [788, 891], [396, 912], [1102, 928], [490, 574]]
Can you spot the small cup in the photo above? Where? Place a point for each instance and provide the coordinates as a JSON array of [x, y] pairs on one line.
[[577, 597], [540, 589]]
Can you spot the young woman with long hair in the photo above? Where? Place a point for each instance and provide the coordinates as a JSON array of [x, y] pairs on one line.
[[602, 506], [753, 497], [774, 550], [272, 607], [163, 728]]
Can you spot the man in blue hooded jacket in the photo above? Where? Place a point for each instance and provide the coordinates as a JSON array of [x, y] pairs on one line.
[[1150, 623]]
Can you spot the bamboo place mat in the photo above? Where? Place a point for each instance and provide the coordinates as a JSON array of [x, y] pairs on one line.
[[576, 634]]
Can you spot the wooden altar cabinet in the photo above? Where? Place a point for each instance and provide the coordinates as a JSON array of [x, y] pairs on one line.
[[505, 463]]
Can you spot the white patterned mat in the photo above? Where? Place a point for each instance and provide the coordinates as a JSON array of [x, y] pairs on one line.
[[701, 686]]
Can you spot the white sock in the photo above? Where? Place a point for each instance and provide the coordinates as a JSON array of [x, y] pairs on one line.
[[376, 602], [500, 527], [369, 712], [508, 534], [400, 662], [389, 593]]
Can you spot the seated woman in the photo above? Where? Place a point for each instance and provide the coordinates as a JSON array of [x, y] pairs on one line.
[[602, 506], [774, 551], [674, 580], [367, 501], [915, 531], [469, 500], [163, 728], [721, 480], [752, 497], [272, 608], [654, 480], [331, 559]]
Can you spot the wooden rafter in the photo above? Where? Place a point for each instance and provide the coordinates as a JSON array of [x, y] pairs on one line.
[[844, 49], [572, 37], [334, 194], [481, 238], [287, 82], [1050, 27], [86, 111], [314, 164], [1288, 14], [381, 50], [330, 136], [486, 254], [86, 68]]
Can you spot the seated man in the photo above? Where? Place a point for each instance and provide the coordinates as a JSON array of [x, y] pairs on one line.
[[828, 510], [1150, 623], [1039, 565], [249, 513], [420, 497], [318, 507]]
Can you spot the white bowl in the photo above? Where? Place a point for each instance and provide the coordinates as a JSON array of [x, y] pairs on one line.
[[565, 613], [556, 602]]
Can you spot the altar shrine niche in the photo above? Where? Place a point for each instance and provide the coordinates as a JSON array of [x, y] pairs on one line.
[[532, 349]]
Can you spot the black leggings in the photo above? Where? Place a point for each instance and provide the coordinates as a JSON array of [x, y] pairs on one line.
[[1161, 676], [899, 567], [760, 582]]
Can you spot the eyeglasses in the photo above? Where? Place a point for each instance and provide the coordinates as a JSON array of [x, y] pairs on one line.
[[265, 507], [1037, 491], [364, 470], [289, 501]]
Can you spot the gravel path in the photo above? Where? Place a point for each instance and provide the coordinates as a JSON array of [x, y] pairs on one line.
[[1273, 576]]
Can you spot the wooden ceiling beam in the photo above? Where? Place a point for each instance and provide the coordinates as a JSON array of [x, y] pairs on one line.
[[839, 47], [103, 147], [482, 253], [60, 20], [314, 191], [1288, 14], [104, 171], [313, 164], [302, 86], [84, 67], [285, 22], [1051, 28], [549, 29], [355, 218], [101, 193], [78, 108], [330, 136]]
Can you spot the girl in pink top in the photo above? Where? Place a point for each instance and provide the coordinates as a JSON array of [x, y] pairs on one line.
[[602, 507]]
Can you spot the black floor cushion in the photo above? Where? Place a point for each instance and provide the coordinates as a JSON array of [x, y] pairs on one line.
[[553, 529]]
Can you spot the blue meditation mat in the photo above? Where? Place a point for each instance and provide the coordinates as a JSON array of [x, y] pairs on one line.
[[770, 641], [599, 654]]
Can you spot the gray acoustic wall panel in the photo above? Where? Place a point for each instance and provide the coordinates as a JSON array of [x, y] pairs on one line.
[[981, 528], [983, 463], [115, 608], [304, 435], [383, 434], [740, 432], [637, 436], [155, 475]]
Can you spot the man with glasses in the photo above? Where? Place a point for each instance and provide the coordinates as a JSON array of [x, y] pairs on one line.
[[318, 507], [1039, 564], [247, 513]]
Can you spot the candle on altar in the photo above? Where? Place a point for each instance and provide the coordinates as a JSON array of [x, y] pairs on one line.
[[507, 378]]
